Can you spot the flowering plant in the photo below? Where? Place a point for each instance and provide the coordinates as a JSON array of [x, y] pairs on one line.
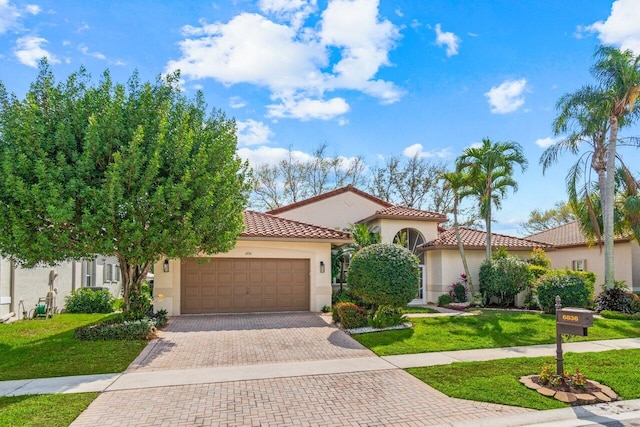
[[459, 289]]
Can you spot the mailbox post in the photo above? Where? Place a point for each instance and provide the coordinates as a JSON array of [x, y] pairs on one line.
[[572, 321]]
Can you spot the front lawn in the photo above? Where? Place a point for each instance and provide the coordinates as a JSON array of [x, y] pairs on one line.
[[47, 348], [496, 381], [49, 410], [490, 329]]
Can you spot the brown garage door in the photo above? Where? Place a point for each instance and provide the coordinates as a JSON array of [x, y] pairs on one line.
[[232, 285]]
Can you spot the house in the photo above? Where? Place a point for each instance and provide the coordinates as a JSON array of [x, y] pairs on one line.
[[20, 288], [573, 251], [282, 260]]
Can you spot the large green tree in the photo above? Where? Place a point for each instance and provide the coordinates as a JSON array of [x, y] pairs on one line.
[[490, 169], [561, 213], [138, 172]]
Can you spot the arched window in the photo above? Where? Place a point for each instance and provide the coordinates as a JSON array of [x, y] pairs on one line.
[[410, 238]]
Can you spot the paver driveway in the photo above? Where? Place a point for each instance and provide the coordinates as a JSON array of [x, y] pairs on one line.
[[388, 396]]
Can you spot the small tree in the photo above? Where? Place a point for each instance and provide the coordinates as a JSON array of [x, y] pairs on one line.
[[138, 172], [539, 258], [504, 278], [384, 274]]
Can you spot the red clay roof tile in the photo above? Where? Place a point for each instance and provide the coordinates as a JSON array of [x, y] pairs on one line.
[[403, 212], [258, 224], [478, 239]]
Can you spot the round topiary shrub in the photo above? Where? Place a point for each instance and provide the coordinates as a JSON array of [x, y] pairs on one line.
[[384, 274], [572, 289], [504, 278]]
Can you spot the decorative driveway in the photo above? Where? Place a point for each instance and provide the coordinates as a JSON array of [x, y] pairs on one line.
[[202, 344]]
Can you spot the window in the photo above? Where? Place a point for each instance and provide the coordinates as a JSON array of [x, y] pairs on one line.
[[410, 238], [579, 265], [116, 272], [88, 268], [108, 272]]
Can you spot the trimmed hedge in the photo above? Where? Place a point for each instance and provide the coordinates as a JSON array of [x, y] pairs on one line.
[[504, 278], [89, 300], [117, 330], [384, 274], [573, 290]]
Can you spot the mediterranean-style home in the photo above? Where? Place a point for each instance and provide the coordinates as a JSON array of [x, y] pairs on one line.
[[21, 288], [575, 252], [282, 260]]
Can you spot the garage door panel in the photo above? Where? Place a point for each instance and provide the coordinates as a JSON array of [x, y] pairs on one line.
[[227, 285]]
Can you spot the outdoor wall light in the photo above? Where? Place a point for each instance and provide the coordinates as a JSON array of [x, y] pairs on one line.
[[165, 266], [321, 266]]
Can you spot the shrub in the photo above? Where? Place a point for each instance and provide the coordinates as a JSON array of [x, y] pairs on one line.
[[573, 290], [384, 274], [116, 329], [444, 299], [539, 258], [345, 295], [504, 278], [140, 303], [386, 316], [350, 315], [537, 271], [459, 289], [325, 308], [615, 299], [88, 300]]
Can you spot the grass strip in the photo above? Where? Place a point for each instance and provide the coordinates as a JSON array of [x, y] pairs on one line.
[[51, 410]]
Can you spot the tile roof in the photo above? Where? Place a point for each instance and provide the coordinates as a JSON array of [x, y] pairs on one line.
[[565, 235], [478, 239], [258, 224], [402, 212], [326, 195]]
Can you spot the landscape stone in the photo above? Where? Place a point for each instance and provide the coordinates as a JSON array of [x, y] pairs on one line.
[[606, 390], [565, 397], [546, 391], [602, 396], [585, 397], [530, 384]]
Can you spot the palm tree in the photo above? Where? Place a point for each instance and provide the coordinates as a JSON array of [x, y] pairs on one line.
[[619, 76], [457, 182], [490, 170]]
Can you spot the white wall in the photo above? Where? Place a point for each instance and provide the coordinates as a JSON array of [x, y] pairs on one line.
[[168, 284]]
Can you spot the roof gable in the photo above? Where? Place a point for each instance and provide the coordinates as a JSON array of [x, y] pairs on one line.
[[403, 212], [329, 194], [258, 224]]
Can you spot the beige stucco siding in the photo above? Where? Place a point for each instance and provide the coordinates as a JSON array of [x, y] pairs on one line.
[[390, 227], [623, 255], [334, 212], [635, 269], [168, 284]]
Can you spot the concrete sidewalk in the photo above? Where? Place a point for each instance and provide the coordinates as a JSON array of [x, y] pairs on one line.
[[150, 379]]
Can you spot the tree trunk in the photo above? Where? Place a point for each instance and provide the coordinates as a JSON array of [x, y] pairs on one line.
[[488, 223], [132, 278], [456, 229], [607, 205]]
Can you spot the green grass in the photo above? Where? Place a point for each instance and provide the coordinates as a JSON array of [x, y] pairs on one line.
[[419, 310], [496, 381], [49, 410], [47, 348], [491, 329]]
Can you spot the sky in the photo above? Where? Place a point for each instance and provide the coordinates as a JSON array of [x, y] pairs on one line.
[[365, 77]]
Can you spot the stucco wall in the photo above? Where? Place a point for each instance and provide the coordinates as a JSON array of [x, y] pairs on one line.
[[635, 270], [390, 227], [336, 211], [623, 255], [168, 284]]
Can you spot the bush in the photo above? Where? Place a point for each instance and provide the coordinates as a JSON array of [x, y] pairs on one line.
[[116, 329], [140, 303], [459, 289], [345, 295], [444, 299], [573, 290], [539, 258], [386, 316], [384, 274], [88, 300], [537, 271], [615, 299], [350, 315], [504, 278]]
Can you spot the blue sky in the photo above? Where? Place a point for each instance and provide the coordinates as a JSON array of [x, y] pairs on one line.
[[365, 77]]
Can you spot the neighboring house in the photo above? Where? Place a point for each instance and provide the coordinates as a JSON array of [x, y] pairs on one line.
[[26, 285], [282, 260], [573, 251]]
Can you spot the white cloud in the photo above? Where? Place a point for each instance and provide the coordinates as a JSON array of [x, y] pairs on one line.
[[270, 155], [546, 142], [33, 9], [83, 27], [475, 145], [29, 51], [418, 150], [448, 39], [85, 50], [292, 60], [236, 102], [252, 132], [119, 63], [9, 16], [507, 97], [621, 27], [399, 12], [306, 109], [472, 34]]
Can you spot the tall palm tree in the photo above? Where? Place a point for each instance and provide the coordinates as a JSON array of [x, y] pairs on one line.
[[457, 182], [618, 74], [490, 169]]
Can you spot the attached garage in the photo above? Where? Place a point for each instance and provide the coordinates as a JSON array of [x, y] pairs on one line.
[[240, 285]]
